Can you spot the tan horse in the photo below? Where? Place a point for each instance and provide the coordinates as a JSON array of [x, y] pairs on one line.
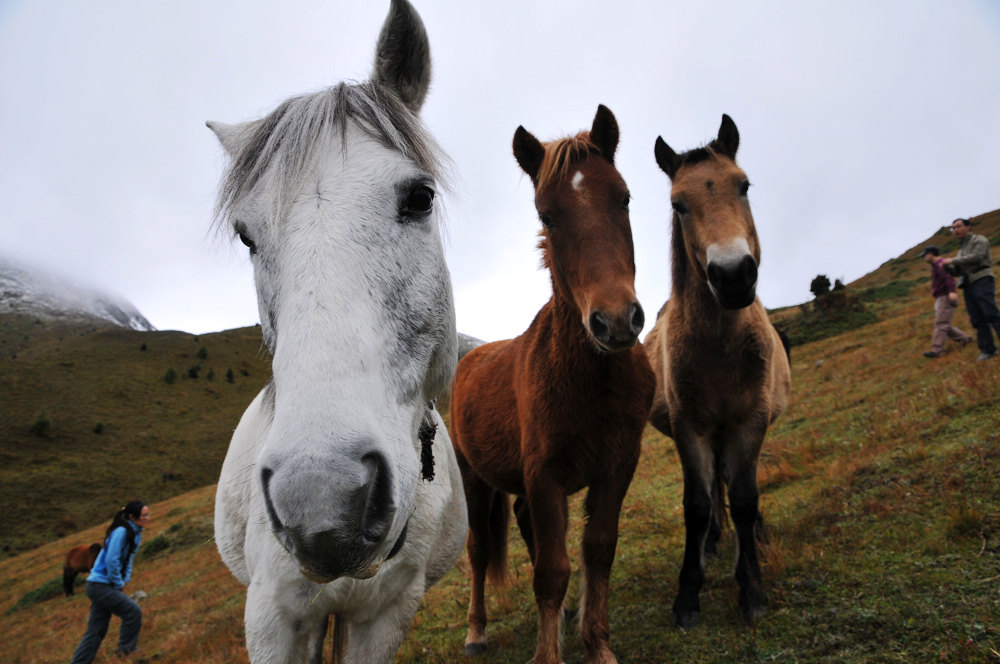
[[563, 406], [722, 373]]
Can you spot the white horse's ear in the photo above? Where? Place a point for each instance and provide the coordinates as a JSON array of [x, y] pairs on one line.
[[232, 136], [403, 55]]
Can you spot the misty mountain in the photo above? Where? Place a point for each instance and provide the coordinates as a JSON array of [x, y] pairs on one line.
[[30, 291]]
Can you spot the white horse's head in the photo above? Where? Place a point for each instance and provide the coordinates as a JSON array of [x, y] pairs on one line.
[[334, 194]]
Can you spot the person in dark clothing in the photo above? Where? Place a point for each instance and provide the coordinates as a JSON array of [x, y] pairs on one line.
[[974, 265], [111, 572]]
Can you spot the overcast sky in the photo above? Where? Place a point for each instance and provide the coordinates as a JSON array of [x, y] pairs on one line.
[[865, 125]]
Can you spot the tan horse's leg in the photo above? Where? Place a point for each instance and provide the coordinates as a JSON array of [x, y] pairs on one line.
[[740, 460], [600, 539], [698, 465], [549, 515]]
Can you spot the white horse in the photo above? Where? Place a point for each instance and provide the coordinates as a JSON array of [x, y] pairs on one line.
[[340, 494]]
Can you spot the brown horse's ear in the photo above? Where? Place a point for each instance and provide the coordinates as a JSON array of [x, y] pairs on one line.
[[403, 55], [604, 132], [668, 160], [729, 137], [529, 152]]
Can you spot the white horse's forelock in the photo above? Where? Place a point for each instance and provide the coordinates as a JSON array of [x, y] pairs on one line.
[[282, 144]]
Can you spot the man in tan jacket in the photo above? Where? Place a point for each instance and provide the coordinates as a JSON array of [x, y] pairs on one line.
[[974, 266]]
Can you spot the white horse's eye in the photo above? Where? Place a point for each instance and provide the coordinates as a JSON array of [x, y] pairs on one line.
[[245, 239], [419, 202]]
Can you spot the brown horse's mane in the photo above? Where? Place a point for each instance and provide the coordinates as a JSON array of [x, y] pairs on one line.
[[560, 154]]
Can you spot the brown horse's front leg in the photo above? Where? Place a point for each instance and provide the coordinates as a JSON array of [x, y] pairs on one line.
[[600, 540], [547, 503]]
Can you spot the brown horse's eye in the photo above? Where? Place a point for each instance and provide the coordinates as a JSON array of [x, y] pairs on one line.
[[545, 219], [744, 187], [626, 201], [679, 207]]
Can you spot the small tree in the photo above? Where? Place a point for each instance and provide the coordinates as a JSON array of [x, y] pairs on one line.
[[820, 285], [143, 346], [202, 353], [42, 425], [211, 374], [230, 378], [99, 427], [170, 377], [193, 371]]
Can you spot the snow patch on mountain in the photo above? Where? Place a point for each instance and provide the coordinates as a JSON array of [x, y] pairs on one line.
[[29, 291]]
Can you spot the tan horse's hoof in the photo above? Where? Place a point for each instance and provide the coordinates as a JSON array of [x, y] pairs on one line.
[[473, 649]]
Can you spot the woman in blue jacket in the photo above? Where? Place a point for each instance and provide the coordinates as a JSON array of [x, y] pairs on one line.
[[111, 571]]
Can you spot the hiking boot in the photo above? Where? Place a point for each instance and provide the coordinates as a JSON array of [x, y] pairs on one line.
[[986, 356], [933, 353]]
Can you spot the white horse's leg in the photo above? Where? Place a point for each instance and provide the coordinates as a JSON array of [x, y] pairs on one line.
[[276, 633], [376, 641]]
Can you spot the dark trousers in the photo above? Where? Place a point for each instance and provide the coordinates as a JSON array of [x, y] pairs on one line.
[[107, 600], [981, 303]]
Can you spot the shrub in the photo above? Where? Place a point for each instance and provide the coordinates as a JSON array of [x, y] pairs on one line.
[[202, 353], [42, 425], [193, 371], [157, 545], [170, 377], [48, 590], [820, 285], [99, 427], [230, 378], [143, 346], [211, 374]]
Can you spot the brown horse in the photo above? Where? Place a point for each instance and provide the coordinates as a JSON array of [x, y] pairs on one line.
[[78, 559], [562, 406], [722, 374]]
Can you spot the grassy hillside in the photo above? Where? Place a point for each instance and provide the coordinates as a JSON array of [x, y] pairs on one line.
[[88, 421], [879, 485]]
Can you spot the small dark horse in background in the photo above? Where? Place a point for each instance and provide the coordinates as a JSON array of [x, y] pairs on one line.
[[722, 371], [562, 406], [78, 559]]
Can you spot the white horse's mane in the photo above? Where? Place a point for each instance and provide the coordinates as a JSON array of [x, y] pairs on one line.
[[284, 141]]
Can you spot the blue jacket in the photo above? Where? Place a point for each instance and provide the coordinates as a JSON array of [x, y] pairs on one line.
[[111, 567]]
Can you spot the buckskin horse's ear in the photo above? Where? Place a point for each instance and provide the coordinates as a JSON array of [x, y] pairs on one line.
[[403, 55], [529, 152], [666, 158], [604, 132], [729, 137]]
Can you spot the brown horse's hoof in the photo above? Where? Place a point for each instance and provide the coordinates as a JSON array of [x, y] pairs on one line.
[[473, 649], [751, 614]]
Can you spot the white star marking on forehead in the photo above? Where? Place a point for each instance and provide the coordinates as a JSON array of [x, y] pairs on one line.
[[577, 179]]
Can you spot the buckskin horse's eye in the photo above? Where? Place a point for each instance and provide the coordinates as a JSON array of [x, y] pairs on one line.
[[419, 202], [744, 187]]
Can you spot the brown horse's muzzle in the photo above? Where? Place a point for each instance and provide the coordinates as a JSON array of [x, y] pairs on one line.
[[617, 332]]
